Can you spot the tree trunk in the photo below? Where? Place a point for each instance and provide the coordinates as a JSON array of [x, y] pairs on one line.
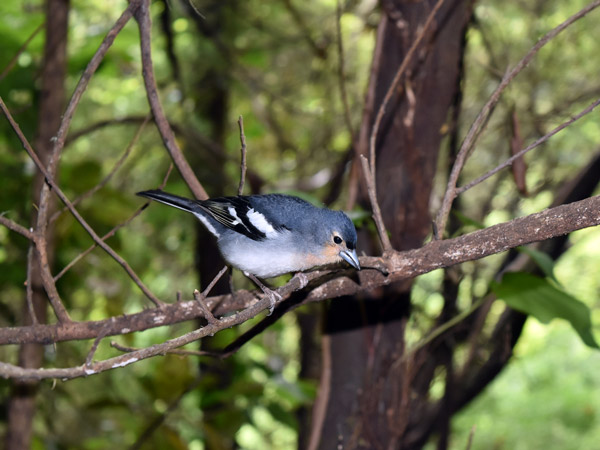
[[21, 408], [371, 392]]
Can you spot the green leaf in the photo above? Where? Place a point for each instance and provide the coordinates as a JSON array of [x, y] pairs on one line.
[[540, 298], [543, 261]]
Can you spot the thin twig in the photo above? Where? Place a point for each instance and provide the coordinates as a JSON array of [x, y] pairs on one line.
[[369, 167], [110, 174], [111, 233], [95, 126], [108, 235], [243, 150], [482, 118], [196, 10], [214, 281], [319, 50], [73, 211], [86, 76], [535, 144], [23, 47], [49, 285], [207, 314], [362, 146], [14, 226], [470, 439], [396, 81], [92, 352], [438, 331], [89, 71], [201, 297], [142, 16], [175, 351], [383, 236]]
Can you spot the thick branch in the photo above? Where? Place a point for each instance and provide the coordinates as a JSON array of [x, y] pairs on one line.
[[544, 225]]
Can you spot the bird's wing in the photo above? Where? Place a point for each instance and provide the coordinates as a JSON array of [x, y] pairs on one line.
[[237, 213]]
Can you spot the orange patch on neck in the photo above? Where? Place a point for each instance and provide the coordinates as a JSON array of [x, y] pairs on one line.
[[329, 255]]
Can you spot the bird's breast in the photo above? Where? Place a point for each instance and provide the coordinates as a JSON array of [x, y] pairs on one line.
[[268, 258]]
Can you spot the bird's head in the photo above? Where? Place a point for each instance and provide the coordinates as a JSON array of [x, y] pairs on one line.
[[338, 238]]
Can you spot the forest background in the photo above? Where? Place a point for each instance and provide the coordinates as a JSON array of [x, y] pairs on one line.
[[302, 76]]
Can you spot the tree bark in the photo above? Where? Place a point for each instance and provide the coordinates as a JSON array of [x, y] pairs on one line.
[[21, 408], [370, 394]]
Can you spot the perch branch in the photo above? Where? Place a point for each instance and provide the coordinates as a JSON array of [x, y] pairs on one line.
[[544, 225]]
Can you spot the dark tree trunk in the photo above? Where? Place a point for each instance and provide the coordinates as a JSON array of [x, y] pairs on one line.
[[21, 408], [371, 393]]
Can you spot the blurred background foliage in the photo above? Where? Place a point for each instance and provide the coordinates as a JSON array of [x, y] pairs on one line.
[[277, 64]]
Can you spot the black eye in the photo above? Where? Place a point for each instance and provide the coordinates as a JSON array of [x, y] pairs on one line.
[[337, 239]]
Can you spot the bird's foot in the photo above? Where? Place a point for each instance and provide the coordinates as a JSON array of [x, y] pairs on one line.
[[274, 297]]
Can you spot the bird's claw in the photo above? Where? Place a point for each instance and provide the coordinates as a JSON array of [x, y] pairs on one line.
[[274, 297]]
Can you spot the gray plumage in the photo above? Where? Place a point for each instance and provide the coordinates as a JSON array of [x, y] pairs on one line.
[[269, 235]]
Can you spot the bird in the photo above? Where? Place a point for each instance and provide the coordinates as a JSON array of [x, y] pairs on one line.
[[271, 234]]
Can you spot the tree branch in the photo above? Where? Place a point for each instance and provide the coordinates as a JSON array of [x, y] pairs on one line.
[[480, 121], [142, 16], [243, 152], [395, 82], [398, 266], [377, 217], [111, 233], [14, 226], [23, 47], [110, 174], [535, 144], [50, 287]]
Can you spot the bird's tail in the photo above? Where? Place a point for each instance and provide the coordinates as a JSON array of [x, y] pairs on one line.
[[171, 199]]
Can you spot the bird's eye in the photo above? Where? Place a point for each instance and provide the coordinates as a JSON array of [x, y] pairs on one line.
[[337, 239]]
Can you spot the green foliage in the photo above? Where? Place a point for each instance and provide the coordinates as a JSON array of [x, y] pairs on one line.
[[289, 96], [542, 260], [538, 297], [547, 397]]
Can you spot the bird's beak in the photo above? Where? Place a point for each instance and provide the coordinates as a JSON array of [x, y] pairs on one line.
[[351, 258]]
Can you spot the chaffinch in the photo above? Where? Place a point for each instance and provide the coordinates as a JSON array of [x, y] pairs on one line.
[[270, 235]]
